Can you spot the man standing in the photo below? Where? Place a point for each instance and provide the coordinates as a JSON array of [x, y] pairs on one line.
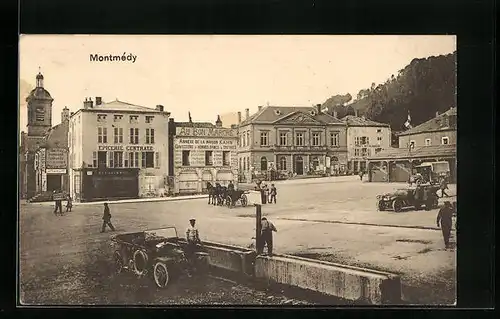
[[230, 191], [443, 186], [273, 192], [106, 219], [444, 218], [266, 238]]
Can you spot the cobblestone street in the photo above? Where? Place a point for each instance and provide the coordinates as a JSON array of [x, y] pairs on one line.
[[330, 218]]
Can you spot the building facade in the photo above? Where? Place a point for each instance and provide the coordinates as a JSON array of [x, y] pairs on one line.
[[39, 104], [364, 139], [434, 140], [203, 152], [51, 159], [117, 150], [292, 140]]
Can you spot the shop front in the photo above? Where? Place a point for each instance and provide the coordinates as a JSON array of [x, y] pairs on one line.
[[109, 183]]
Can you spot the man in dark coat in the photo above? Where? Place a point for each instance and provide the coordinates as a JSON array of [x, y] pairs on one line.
[[58, 203], [106, 219], [266, 238], [230, 191], [272, 194], [444, 219]]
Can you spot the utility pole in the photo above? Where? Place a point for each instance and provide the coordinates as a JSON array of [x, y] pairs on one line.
[[258, 227]]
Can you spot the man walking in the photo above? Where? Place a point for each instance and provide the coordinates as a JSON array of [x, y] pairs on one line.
[[273, 192], [106, 219], [444, 219], [266, 238], [443, 186], [58, 203]]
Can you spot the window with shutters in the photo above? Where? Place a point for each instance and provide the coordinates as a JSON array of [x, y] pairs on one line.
[[283, 139], [118, 135], [150, 136], [315, 139], [299, 139], [134, 136], [334, 139], [102, 135]]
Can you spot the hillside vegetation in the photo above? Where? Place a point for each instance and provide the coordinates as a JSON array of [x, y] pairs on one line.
[[422, 87]]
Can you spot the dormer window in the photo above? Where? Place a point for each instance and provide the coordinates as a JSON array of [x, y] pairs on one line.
[[277, 112], [149, 119], [134, 119], [313, 113], [101, 117], [117, 118]]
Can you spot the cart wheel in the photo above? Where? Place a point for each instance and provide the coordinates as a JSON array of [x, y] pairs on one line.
[[244, 200], [118, 259], [228, 201], [397, 205], [160, 274], [380, 205]]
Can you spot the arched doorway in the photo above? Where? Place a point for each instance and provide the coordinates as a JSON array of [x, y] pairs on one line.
[[263, 164], [299, 165]]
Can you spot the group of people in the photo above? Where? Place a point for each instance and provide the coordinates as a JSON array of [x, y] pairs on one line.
[[268, 194]]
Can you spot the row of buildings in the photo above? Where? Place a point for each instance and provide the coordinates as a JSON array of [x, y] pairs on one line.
[[121, 150]]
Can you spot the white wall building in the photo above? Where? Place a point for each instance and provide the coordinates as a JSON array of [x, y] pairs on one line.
[[117, 150]]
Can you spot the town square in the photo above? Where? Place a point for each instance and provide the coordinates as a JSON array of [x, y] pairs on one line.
[[336, 194]]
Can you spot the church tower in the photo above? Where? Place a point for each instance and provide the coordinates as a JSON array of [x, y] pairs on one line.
[[39, 109]]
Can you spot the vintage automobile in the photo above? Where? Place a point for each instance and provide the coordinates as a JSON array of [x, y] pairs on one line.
[[415, 197], [159, 253]]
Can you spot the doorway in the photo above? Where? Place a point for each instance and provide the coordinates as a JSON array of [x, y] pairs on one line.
[[299, 165], [101, 159], [54, 183]]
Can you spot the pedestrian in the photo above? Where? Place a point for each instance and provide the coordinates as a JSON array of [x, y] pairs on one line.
[[106, 219], [361, 173], [273, 192], [58, 203], [266, 237], [444, 220], [69, 204], [263, 193], [193, 242], [443, 187], [230, 191]]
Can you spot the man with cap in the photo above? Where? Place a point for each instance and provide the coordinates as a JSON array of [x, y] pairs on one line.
[[444, 218], [266, 238], [193, 240], [106, 219]]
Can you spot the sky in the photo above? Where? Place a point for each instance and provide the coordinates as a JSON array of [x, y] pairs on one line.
[[209, 75]]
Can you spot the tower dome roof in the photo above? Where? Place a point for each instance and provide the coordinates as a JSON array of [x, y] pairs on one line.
[[39, 76], [39, 93]]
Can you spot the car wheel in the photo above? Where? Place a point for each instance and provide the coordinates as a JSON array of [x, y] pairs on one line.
[[380, 205], [140, 262], [161, 275], [118, 259], [244, 200], [397, 205]]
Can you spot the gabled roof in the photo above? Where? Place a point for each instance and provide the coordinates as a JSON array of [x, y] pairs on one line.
[[298, 117], [439, 123], [121, 106], [352, 120], [57, 136], [272, 115], [418, 152]]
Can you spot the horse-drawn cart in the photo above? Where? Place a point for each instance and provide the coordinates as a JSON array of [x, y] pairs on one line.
[[235, 197]]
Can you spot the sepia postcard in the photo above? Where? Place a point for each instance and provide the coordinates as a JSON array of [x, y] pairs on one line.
[[237, 170]]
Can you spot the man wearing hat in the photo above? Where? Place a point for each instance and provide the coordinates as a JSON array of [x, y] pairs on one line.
[[266, 238], [444, 218], [192, 235]]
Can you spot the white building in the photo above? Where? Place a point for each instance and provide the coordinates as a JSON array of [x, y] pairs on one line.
[[117, 150]]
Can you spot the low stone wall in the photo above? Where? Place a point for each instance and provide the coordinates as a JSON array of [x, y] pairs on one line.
[[350, 283], [231, 258]]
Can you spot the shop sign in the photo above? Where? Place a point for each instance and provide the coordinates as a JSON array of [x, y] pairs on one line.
[[205, 144], [126, 148], [206, 132], [56, 171], [56, 158]]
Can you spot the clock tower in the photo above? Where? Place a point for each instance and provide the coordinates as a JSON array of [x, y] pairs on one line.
[[39, 109]]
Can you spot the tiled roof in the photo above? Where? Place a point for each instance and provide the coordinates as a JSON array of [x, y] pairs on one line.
[[57, 136], [352, 120], [195, 124], [269, 115], [117, 105], [417, 152], [439, 123]]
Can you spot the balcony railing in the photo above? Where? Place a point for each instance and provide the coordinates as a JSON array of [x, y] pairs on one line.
[[299, 148]]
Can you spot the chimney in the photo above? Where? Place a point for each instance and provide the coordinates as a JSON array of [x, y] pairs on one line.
[[247, 114], [356, 113], [318, 108], [159, 108], [335, 113], [239, 117], [260, 107], [437, 113], [88, 104], [98, 100]]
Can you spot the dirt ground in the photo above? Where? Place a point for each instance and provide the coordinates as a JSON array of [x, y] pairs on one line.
[[66, 260]]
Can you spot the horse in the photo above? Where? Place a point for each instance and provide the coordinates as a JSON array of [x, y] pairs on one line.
[[212, 193]]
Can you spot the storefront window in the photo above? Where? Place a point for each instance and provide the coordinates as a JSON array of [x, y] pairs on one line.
[[185, 158], [148, 159], [209, 160], [225, 158]]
